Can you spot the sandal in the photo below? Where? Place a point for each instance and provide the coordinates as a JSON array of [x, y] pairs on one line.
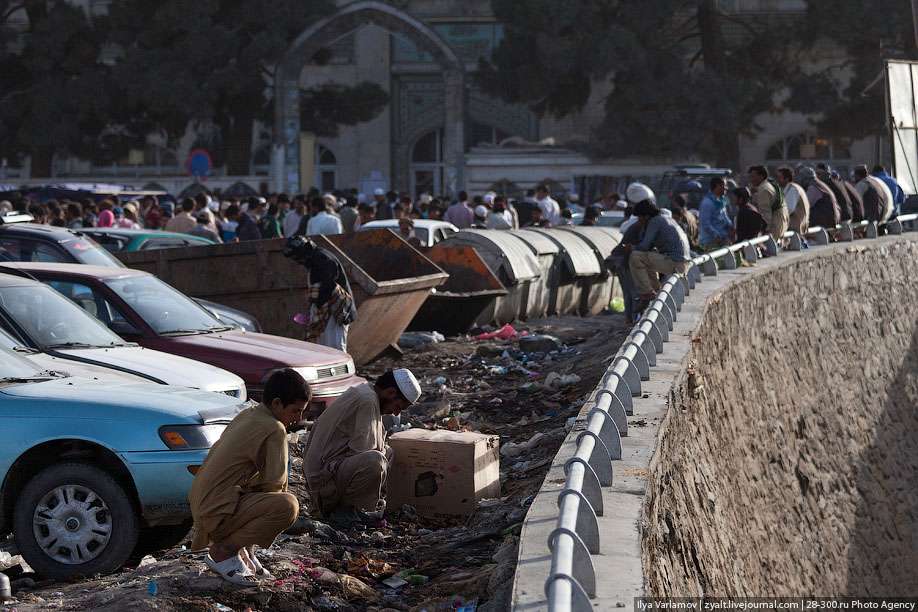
[[258, 570], [232, 570]]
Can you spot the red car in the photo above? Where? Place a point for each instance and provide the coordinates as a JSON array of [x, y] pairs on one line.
[[141, 308]]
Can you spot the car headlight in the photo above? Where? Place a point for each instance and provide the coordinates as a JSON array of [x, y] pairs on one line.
[[190, 437], [309, 373]]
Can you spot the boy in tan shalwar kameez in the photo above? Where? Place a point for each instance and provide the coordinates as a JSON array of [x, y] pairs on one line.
[[239, 495], [346, 457]]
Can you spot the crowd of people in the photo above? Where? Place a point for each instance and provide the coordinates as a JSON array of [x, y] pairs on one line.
[[655, 240]]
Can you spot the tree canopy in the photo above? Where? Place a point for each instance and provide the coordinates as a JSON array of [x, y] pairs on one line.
[[97, 87], [687, 78], [848, 99]]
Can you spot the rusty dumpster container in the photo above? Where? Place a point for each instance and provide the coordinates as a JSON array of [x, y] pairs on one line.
[[453, 307], [515, 266], [602, 240], [390, 280], [576, 270]]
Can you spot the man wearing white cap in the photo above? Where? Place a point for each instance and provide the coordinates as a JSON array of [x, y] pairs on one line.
[[347, 458]]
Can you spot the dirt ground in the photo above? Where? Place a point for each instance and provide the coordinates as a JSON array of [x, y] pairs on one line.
[[491, 386]]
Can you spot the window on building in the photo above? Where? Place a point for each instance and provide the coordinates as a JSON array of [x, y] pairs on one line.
[[326, 169], [482, 134], [810, 149], [427, 164]]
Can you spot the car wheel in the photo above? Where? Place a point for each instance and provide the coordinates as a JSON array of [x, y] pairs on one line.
[[74, 518], [161, 537]]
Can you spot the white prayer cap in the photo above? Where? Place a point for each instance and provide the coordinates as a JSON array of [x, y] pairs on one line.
[[361, 198], [378, 191], [481, 211], [489, 197], [213, 205], [407, 384], [666, 212]]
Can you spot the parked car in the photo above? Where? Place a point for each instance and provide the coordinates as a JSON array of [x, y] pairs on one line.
[[43, 319], [116, 240], [50, 363], [691, 181], [34, 242], [428, 231], [141, 308], [90, 467], [47, 243]]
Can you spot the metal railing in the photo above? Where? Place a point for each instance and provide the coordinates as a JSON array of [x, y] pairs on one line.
[[572, 579]]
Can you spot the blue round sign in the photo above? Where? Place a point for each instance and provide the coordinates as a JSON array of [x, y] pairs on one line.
[[200, 164]]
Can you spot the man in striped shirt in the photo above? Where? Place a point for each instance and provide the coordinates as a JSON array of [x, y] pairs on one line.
[[671, 255]]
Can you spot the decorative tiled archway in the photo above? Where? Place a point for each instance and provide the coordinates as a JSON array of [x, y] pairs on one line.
[[342, 22]]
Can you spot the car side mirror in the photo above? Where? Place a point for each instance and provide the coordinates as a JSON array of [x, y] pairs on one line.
[[125, 329]]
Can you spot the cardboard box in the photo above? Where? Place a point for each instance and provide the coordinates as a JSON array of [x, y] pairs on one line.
[[442, 473]]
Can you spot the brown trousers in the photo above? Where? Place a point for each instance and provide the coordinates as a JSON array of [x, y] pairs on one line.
[[359, 481], [259, 519], [645, 265]]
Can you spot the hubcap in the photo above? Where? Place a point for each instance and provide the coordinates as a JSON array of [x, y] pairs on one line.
[[72, 524]]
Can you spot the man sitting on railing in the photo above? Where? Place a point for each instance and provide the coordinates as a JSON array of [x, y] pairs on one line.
[[824, 210], [878, 202], [769, 200], [671, 255]]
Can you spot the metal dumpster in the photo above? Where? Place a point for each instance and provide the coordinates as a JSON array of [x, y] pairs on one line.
[[390, 280], [602, 240], [513, 262], [453, 307], [576, 270], [544, 289]]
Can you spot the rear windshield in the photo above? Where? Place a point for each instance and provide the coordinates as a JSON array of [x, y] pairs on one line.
[[111, 243], [88, 251]]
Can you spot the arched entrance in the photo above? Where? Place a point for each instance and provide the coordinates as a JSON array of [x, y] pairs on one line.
[[341, 23]]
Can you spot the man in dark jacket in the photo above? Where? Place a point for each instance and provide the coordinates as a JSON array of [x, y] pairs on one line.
[[246, 229], [328, 293], [823, 205], [825, 174]]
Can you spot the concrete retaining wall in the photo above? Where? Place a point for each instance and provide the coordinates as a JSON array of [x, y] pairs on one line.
[[787, 464]]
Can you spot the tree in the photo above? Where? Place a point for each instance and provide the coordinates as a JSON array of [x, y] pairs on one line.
[[847, 99], [679, 87], [212, 61], [54, 91]]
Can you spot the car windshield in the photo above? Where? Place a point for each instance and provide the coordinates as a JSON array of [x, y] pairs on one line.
[[7, 340], [88, 251], [52, 321], [16, 367], [109, 242], [164, 309]]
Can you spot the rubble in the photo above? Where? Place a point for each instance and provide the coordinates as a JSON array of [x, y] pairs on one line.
[[405, 563]]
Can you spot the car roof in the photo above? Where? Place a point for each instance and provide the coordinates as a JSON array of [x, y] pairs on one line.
[[426, 223], [100, 272], [139, 233], [54, 232]]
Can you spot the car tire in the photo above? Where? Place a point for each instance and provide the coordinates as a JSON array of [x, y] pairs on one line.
[[75, 519], [161, 537]]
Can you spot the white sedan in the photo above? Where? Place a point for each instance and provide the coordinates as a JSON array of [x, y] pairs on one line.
[[428, 231]]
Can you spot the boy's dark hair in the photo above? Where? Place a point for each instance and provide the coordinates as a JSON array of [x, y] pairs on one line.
[[187, 204], [387, 381], [760, 170], [646, 208], [272, 209], [717, 180], [288, 386], [232, 210]]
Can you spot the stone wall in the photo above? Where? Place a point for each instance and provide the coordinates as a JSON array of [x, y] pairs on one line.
[[788, 462]]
